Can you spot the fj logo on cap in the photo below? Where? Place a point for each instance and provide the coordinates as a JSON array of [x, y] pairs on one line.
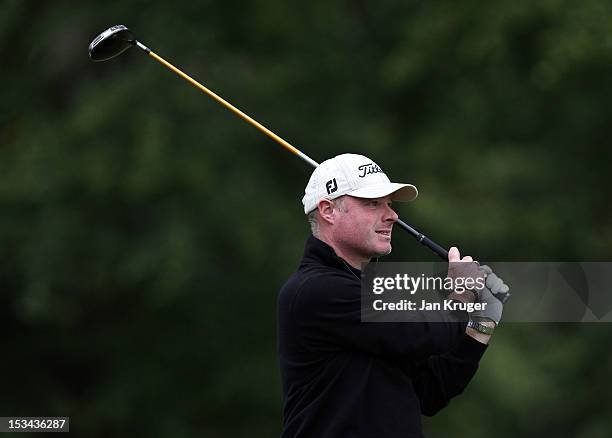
[[367, 169], [331, 186]]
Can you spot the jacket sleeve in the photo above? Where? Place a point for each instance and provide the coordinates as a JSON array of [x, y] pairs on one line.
[[327, 311], [439, 378]]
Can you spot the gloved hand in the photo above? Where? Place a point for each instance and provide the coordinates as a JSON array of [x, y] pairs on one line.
[[492, 310], [494, 294], [496, 285]]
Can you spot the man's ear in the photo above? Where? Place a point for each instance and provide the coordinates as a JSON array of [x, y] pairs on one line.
[[327, 210]]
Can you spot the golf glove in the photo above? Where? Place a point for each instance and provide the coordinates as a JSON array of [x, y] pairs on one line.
[[492, 310], [496, 285]]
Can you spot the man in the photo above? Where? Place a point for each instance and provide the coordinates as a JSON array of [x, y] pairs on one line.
[[345, 378]]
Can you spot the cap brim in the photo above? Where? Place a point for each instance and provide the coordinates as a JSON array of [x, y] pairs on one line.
[[398, 192]]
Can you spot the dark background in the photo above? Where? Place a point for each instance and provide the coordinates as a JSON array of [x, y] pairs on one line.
[[145, 230]]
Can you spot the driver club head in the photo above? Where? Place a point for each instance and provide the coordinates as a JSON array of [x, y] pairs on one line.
[[112, 42]]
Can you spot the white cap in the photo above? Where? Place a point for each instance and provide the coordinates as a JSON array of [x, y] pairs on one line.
[[354, 175]]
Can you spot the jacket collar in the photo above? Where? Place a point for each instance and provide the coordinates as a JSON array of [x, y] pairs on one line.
[[317, 251]]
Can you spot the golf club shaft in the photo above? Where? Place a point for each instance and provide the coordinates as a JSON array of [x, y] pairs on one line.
[[235, 110], [420, 237]]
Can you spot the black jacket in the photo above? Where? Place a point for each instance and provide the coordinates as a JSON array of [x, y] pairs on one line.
[[344, 378]]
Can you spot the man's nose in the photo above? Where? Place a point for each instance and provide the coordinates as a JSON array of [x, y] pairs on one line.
[[391, 215]]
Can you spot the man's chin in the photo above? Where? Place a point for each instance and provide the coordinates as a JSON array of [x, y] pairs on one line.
[[384, 251]]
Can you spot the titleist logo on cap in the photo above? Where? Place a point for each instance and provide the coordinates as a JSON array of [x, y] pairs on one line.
[[367, 169]]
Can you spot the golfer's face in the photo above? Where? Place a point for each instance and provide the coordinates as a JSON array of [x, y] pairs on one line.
[[366, 224]]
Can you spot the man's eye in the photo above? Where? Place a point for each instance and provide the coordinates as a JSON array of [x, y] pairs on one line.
[[373, 203]]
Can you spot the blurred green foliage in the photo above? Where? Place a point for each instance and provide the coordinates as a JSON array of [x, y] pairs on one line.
[[145, 230]]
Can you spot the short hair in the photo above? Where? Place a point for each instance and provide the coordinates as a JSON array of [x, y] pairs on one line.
[[314, 222]]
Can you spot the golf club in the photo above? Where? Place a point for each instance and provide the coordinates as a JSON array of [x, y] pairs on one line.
[[117, 39]]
